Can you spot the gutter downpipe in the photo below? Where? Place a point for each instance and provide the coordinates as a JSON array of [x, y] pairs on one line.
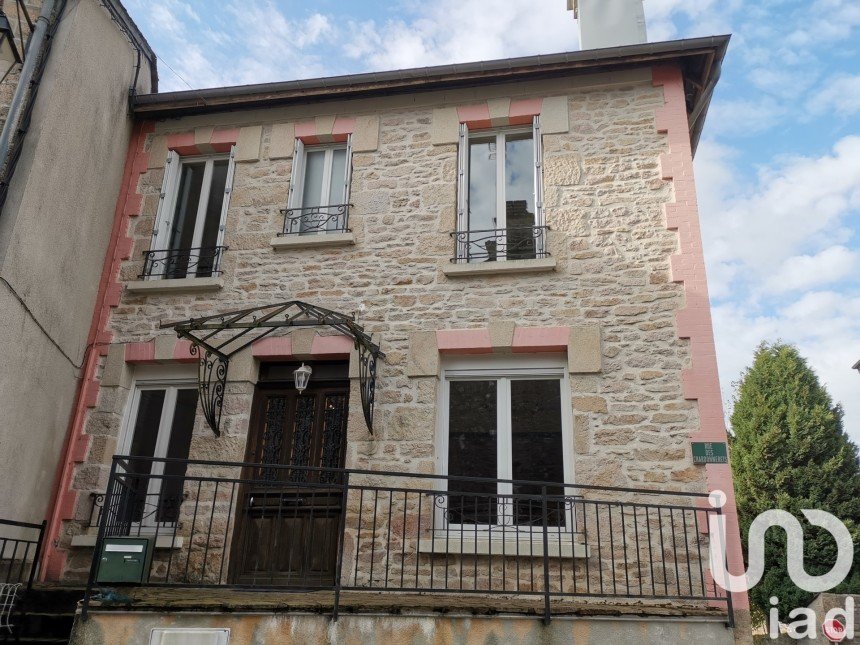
[[35, 48]]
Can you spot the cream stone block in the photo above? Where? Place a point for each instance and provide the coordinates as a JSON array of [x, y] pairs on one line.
[[555, 115], [164, 345], [116, 372], [423, 357], [302, 340], [366, 135], [583, 350], [158, 152], [243, 367], [282, 144], [248, 145], [324, 124], [445, 127], [202, 136], [499, 111], [502, 335]]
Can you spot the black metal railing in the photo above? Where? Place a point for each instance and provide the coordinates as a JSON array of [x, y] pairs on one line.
[[492, 245], [20, 550], [169, 264], [316, 219], [355, 530]]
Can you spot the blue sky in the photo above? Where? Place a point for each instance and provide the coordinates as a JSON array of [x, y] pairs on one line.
[[778, 169]]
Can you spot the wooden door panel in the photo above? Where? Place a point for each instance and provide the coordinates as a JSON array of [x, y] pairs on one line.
[[289, 520]]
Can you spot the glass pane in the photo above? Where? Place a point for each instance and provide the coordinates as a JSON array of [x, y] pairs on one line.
[[143, 440], [536, 448], [472, 449], [212, 221], [338, 176], [187, 201], [481, 247], [177, 448], [314, 175], [520, 196]]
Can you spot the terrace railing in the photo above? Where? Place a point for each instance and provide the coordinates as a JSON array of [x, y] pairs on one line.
[[316, 219], [496, 245], [171, 264], [238, 525]]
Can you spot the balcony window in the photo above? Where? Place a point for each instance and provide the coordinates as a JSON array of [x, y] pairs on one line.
[[319, 190], [160, 423], [189, 231], [505, 423], [500, 211]]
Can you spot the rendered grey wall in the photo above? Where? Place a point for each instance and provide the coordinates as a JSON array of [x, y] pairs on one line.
[[54, 229]]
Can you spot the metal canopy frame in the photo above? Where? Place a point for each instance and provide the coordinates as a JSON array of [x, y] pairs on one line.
[[218, 337]]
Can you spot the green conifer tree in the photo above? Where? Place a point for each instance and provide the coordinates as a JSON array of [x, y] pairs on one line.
[[789, 451]]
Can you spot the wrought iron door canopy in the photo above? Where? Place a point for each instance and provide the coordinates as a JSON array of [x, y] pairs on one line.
[[220, 336]]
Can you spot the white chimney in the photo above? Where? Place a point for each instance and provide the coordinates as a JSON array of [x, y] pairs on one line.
[[609, 23]]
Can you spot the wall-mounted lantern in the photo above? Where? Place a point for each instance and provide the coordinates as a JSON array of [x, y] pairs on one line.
[[302, 376]]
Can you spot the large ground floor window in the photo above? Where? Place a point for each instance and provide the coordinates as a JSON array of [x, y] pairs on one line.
[[506, 421], [159, 424]]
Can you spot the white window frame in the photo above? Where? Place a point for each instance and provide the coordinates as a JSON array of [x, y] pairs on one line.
[[170, 193], [297, 178], [505, 370], [463, 158], [170, 379]]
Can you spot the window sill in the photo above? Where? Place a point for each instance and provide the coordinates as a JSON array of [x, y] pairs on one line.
[[537, 265], [510, 547], [161, 542], [179, 285], [289, 242]]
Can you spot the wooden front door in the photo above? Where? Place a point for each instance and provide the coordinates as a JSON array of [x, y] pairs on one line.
[[288, 519]]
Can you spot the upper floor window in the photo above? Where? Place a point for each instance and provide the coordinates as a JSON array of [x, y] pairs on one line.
[[319, 189], [189, 230], [500, 195]]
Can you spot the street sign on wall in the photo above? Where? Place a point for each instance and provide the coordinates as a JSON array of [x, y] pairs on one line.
[[710, 452]]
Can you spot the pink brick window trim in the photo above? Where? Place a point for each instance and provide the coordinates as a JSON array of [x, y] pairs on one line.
[[525, 340], [220, 141], [321, 347], [310, 132], [520, 112], [540, 339], [144, 354]]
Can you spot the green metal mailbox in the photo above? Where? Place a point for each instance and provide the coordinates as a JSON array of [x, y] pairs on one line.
[[125, 559]]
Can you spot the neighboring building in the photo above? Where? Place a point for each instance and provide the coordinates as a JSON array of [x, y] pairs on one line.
[[495, 272], [63, 175]]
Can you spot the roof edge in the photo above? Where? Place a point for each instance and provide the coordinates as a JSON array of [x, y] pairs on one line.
[[119, 13], [417, 79]]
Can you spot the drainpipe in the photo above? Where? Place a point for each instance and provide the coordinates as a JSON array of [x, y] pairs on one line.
[[34, 54]]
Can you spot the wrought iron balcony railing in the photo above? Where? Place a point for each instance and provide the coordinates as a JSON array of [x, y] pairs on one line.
[[235, 524], [167, 264], [316, 219], [492, 245]]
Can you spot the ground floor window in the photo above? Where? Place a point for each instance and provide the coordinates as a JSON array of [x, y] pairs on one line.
[[509, 423], [159, 425]]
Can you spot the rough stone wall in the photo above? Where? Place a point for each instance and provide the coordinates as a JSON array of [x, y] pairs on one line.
[[603, 198]]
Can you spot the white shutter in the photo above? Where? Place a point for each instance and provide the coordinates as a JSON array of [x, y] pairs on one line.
[[347, 173], [228, 189], [463, 179], [189, 636], [166, 201], [296, 175], [538, 146]]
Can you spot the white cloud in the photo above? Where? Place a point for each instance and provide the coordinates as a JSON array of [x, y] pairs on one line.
[[456, 31], [806, 271], [839, 95]]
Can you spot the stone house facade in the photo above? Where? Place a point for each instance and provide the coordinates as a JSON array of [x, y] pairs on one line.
[[576, 347]]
